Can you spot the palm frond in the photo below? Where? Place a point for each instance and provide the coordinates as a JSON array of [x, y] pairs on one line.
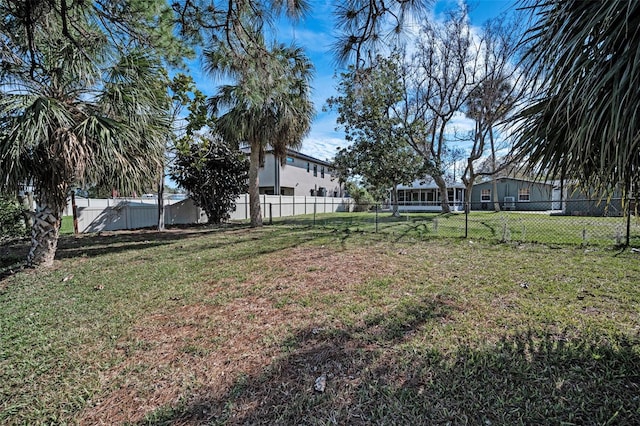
[[585, 123]]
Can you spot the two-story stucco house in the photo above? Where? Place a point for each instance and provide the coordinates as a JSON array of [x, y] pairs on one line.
[[300, 174]]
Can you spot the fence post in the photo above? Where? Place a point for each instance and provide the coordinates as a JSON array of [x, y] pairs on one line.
[[74, 212], [628, 237], [315, 203], [376, 218], [466, 220], [270, 214]]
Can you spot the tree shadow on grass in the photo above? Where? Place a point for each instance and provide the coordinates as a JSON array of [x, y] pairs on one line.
[[94, 245], [387, 371], [117, 241], [109, 243]]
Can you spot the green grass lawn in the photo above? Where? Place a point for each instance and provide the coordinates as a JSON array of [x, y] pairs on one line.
[[66, 227], [235, 325], [500, 226]]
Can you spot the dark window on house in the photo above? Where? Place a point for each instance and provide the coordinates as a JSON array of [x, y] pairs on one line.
[[485, 195], [523, 194], [308, 167], [315, 170], [322, 172]]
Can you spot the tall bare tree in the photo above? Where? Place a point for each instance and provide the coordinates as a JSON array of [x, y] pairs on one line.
[[499, 90], [442, 74]]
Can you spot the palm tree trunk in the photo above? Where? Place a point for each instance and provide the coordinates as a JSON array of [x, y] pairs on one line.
[[44, 236], [254, 192]]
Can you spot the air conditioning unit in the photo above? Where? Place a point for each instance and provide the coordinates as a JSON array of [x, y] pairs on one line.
[[509, 203]]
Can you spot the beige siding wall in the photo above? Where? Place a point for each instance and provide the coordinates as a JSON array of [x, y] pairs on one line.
[[294, 175]]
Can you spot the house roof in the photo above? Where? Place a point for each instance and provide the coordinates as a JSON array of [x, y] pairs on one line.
[[502, 178], [428, 183], [307, 157], [292, 153]]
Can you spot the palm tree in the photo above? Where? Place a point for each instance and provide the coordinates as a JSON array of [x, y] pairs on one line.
[[73, 110], [268, 107], [585, 124]]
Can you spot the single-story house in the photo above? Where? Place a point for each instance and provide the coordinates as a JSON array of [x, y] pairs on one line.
[[423, 195], [515, 194]]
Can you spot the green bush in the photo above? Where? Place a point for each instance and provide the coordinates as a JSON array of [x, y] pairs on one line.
[[363, 199], [11, 219]]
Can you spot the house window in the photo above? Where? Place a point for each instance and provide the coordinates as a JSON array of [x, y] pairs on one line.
[[315, 170], [289, 160], [322, 172], [523, 194], [308, 167], [431, 195], [485, 195]]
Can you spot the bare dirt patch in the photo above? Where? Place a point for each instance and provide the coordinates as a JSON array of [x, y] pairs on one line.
[[173, 356]]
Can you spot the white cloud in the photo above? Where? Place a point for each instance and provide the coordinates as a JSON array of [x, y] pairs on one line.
[[314, 41], [461, 124], [321, 146], [323, 139]]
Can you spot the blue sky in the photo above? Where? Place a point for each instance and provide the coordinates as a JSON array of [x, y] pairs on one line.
[[315, 34]]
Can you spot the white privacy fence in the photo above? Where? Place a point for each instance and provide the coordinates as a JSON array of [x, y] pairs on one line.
[[96, 215]]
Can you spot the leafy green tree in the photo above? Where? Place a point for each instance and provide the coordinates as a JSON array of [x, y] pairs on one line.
[[11, 218], [366, 106], [184, 95], [269, 106], [76, 106], [363, 200], [214, 173], [584, 124]]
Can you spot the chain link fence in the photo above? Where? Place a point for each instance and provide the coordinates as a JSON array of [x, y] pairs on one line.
[[613, 222]]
